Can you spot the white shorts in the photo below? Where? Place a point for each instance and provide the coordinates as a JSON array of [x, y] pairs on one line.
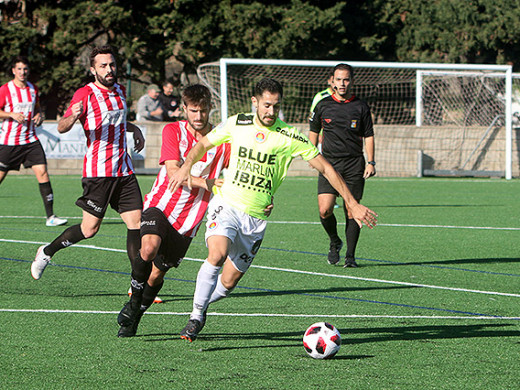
[[245, 232]]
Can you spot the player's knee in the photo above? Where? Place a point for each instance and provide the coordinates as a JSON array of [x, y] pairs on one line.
[[325, 212], [217, 258], [229, 283], [89, 232], [148, 252]]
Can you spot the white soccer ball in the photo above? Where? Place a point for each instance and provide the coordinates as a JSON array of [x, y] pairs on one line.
[[321, 340]]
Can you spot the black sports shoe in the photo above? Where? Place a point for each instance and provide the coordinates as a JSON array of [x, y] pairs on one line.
[[126, 314], [335, 247], [131, 330], [350, 262], [192, 329]]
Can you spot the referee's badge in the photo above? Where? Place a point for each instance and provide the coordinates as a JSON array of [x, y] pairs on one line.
[[353, 124]]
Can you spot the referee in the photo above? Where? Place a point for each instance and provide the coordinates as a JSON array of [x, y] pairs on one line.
[[346, 122]]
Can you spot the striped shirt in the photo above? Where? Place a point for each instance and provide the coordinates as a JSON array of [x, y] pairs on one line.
[[16, 99], [104, 124], [185, 208]]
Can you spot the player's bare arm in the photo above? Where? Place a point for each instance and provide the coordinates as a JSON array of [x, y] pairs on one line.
[[38, 116], [183, 173], [360, 213], [15, 116], [138, 136], [370, 169], [173, 166], [66, 123], [313, 137]]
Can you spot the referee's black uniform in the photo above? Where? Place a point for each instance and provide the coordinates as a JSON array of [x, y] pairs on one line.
[[344, 125]]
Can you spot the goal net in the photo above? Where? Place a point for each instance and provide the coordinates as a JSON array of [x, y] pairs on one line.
[[430, 119]]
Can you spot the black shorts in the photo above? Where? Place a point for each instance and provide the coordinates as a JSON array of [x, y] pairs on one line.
[[12, 157], [352, 170], [121, 193], [173, 244]]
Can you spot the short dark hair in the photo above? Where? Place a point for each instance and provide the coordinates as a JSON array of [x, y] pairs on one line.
[[106, 49], [18, 59], [344, 67], [269, 85], [174, 83], [197, 95]]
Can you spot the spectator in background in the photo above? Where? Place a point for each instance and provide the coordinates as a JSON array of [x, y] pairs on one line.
[[170, 102], [149, 106]]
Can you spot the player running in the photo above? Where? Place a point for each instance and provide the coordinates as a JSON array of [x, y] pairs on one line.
[[262, 148], [108, 177], [20, 114], [170, 220]]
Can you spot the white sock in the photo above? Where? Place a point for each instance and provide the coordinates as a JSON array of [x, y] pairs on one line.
[[220, 291], [206, 281]]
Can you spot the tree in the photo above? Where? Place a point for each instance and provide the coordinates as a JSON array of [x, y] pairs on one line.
[[56, 35]]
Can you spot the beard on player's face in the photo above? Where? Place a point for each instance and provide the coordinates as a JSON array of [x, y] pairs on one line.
[[108, 81]]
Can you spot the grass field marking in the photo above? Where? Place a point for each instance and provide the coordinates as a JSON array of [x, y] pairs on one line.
[[290, 270], [39, 217], [312, 223], [405, 225], [448, 226], [387, 281], [169, 313], [75, 245]]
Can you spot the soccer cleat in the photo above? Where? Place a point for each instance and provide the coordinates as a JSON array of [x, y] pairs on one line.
[[156, 300], [41, 261], [55, 221], [192, 329], [333, 256], [131, 329], [350, 262], [126, 315]]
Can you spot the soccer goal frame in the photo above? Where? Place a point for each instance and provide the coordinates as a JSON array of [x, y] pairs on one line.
[[504, 71]]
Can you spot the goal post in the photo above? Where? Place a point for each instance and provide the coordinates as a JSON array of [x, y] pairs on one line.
[[402, 97]]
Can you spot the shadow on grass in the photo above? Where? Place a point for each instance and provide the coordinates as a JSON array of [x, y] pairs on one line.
[[330, 290], [484, 260], [351, 336], [428, 332], [431, 205]]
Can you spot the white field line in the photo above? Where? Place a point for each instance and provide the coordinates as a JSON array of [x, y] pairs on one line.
[[169, 313], [40, 217], [306, 272], [313, 223]]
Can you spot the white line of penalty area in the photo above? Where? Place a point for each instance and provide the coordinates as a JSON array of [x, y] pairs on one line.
[[289, 270], [169, 313], [402, 225]]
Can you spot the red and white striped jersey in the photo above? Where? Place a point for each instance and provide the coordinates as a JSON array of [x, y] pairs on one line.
[[16, 99], [104, 124], [185, 208]]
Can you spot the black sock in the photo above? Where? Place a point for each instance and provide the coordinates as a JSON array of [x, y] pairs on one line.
[[149, 294], [352, 232], [140, 273], [47, 197], [70, 236], [331, 227], [133, 244]]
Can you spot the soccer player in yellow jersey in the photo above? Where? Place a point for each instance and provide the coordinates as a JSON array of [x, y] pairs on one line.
[[262, 148]]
